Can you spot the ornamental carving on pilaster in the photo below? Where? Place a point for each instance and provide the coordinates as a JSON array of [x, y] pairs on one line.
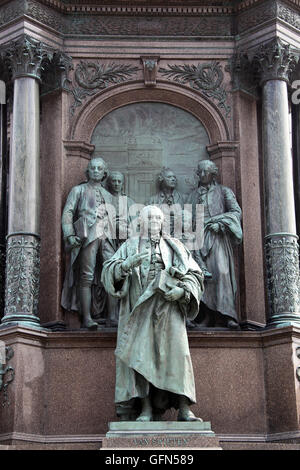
[[283, 282], [274, 60], [22, 275], [56, 73], [243, 75]]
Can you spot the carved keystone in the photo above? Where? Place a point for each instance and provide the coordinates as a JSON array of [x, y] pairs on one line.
[[150, 64]]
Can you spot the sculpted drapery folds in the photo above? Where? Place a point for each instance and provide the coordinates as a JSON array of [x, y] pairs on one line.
[[159, 285], [222, 229]]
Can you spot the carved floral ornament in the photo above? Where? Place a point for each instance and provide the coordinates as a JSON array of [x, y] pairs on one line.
[[91, 77], [22, 275], [283, 281]]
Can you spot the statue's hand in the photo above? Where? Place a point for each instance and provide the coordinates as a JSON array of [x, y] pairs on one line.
[[174, 294], [74, 241], [134, 260], [215, 227]]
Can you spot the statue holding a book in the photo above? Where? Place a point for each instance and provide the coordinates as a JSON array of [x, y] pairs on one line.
[[159, 285]]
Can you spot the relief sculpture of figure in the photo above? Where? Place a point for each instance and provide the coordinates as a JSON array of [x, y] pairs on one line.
[[85, 220], [122, 203], [222, 229], [159, 285], [168, 196]]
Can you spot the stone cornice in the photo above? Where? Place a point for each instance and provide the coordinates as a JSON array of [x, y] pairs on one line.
[[154, 8], [195, 19], [136, 9]]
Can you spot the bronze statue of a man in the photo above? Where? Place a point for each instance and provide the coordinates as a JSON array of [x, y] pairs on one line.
[[122, 204], [222, 228], [168, 194], [85, 221], [159, 285], [168, 199]]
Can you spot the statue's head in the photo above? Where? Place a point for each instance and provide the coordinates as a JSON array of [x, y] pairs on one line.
[[150, 220], [206, 171], [167, 179], [115, 182], [96, 170]]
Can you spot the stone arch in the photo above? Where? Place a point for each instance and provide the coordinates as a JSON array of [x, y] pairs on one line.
[[134, 92]]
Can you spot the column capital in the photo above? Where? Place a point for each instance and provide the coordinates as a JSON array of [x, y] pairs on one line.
[[274, 60], [24, 57]]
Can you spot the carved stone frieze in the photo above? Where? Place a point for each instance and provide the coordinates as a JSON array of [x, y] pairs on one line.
[[180, 20], [90, 77], [256, 15], [204, 77], [274, 60], [283, 282], [288, 15], [22, 275], [108, 21]]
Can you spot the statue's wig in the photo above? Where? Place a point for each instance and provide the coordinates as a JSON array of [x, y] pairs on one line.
[[162, 174], [211, 165], [111, 174]]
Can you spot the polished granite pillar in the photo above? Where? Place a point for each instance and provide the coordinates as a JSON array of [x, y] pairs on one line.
[[24, 59], [275, 61], [3, 174]]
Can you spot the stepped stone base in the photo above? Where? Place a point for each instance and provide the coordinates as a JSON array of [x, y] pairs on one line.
[[160, 435]]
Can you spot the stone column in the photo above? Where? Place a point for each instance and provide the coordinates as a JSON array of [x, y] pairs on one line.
[[3, 173], [24, 59], [275, 61]]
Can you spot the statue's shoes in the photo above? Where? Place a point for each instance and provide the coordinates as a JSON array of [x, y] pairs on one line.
[[187, 416], [90, 325], [233, 325], [143, 417]]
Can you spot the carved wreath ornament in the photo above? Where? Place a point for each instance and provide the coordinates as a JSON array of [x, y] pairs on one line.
[[92, 77], [206, 77]]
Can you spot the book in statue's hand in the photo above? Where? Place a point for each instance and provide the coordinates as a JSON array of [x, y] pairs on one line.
[[81, 228], [164, 282]]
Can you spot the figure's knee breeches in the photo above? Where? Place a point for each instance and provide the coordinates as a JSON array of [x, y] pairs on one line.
[[87, 264]]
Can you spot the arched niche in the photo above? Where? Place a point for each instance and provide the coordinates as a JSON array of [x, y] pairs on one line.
[[149, 121], [182, 97]]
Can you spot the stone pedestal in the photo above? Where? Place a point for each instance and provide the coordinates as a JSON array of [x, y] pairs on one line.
[[160, 435]]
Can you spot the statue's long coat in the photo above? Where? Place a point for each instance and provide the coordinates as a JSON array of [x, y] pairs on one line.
[[152, 344], [81, 202], [217, 251]]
